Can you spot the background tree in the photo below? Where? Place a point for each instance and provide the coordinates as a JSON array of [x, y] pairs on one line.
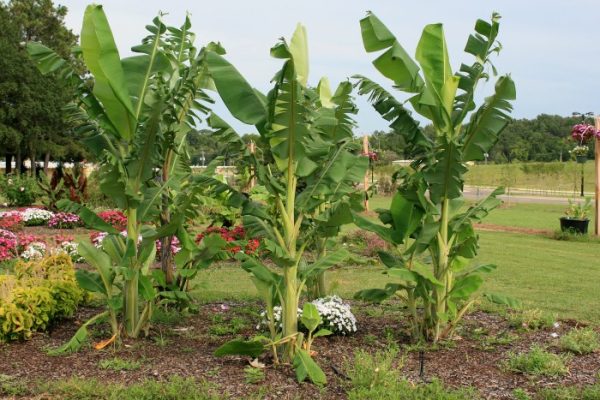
[[32, 120]]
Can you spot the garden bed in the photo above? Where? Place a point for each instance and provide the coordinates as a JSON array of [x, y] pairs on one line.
[[184, 346]]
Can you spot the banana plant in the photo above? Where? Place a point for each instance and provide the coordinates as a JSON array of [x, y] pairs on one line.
[[309, 164], [426, 221], [134, 113]]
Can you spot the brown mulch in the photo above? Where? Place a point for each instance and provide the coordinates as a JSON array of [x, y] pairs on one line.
[[189, 348], [512, 229]]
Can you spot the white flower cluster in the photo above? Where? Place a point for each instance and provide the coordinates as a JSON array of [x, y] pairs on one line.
[[337, 316], [34, 251], [71, 249], [36, 216]]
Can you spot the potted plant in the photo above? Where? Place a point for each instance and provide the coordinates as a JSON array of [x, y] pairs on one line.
[[576, 217]]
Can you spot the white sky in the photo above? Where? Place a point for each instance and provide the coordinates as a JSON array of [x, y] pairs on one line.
[[551, 47]]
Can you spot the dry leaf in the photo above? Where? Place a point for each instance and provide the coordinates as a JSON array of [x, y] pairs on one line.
[[257, 364], [104, 343]]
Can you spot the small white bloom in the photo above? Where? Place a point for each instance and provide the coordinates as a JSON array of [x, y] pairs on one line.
[[554, 334], [21, 189], [556, 325]]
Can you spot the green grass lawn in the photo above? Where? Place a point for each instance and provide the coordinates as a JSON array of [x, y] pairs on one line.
[[556, 276], [525, 215]]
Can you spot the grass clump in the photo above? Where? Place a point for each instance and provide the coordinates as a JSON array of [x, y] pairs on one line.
[[537, 362], [253, 375], [580, 341], [379, 377], [571, 393], [531, 319], [175, 388], [9, 386], [119, 364]]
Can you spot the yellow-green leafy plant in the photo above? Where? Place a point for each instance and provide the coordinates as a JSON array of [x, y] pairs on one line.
[[38, 293]]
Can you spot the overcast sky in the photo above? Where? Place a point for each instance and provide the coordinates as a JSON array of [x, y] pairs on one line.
[[551, 47]]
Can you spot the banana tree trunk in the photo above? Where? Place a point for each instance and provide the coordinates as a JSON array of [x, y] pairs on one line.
[[290, 309], [441, 273], [132, 279]]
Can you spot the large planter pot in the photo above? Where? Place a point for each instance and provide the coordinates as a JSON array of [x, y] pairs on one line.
[[574, 225]]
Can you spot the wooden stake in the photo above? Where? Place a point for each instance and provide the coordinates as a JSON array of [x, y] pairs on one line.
[[597, 161], [366, 183]]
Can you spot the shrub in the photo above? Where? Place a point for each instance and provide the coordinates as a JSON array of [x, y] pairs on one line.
[[34, 251], [114, 217], [36, 216], [20, 190], [580, 341], [537, 362], [364, 243], [63, 220], [530, 319], [37, 293], [11, 221], [235, 237]]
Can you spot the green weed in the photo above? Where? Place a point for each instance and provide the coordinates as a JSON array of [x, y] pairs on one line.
[[580, 341], [537, 362]]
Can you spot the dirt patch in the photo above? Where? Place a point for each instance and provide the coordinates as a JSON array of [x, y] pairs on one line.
[[185, 347], [512, 229]]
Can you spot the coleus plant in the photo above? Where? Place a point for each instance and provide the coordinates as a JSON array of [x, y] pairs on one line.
[[427, 222], [134, 114], [309, 165]]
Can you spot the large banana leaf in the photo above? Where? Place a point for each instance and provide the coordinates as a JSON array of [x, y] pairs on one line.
[[489, 121], [239, 97], [395, 63], [102, 59]]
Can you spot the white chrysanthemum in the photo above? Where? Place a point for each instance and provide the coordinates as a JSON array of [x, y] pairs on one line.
[[36, 216], [34, 251], [337, 316]]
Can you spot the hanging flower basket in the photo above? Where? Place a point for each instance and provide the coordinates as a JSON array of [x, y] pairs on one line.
[[581, 159]]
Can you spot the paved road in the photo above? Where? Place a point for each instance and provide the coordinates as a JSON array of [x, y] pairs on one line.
[[474, 193]]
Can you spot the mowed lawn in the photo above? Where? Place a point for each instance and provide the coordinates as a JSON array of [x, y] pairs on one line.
[[560, 277]]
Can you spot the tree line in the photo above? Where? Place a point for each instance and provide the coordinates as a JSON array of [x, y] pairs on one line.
[[543, 138]]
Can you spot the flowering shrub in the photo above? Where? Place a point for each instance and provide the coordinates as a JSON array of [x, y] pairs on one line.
[[175, 246], [11, 221], [70, 248], [236, 238], [337, 316], [98, 237], [8, 245], [34, 251], [63, 220], [114, 217], [25, 239], [36, 216], [364, 243], [19, 190]]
